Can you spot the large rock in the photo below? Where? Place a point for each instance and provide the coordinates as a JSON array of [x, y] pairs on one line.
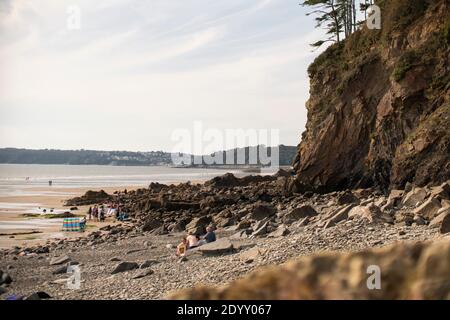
[[281, 231], [59, 260], [442, 221], [219, 246], [90, 197], [125, 266], [151, 224], [261, 211], [143, 273], [346, 198], [415, 196], [441, 192], [250, 255], [260, 230], [5, 278], [198, 225], [299, 213], [428, 209], [340, 215], [407, 271], [371, 213]]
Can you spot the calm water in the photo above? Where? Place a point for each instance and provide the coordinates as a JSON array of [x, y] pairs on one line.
[[15, 179]]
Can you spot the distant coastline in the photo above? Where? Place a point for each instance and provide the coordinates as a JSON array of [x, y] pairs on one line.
[[130, 158]]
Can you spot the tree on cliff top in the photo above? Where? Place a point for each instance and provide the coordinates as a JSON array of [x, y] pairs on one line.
[[336, 16]]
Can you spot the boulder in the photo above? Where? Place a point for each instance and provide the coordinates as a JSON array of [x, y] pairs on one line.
[[198, 225], [148, 263], [340, 215], [441, 220], [59, 260], [445, 225], [346, 198], [143, 273], [371, 213], [415, 196], [299, 213], [242, 234], [428, 209], [250, 255], [125, 266], [419, 220], [180, 225], [41, 295], [60, 270], [441, 192], [261, 211], [244, 224], [5, 278], [262, 230], [219, 246], [151, 224], [281, 231]]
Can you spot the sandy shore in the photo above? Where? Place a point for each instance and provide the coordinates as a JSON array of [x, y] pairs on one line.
[[16, 230]]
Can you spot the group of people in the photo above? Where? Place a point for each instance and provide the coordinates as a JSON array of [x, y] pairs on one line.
[[99, 213], [191, 241]]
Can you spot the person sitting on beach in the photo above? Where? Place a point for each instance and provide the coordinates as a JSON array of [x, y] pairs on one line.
[[210, 236], [83, 224], [182, 247], [192, 240]]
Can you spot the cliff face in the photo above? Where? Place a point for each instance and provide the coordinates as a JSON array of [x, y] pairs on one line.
[[379, 109]]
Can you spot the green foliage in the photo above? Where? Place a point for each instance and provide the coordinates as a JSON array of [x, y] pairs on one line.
[[446, 32], [406, 63], [399, 14], [332, 56]]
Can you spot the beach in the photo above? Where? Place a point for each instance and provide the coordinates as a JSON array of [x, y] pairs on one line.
[[25, 189]]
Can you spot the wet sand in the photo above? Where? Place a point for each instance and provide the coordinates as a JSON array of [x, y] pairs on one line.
[[15, 229]]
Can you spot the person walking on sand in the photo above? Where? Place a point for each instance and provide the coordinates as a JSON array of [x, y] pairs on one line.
[[90, 213]]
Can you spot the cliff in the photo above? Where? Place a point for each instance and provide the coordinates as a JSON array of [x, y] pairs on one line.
[[379, 110]]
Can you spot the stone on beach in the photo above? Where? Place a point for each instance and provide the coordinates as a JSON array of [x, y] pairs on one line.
[[220, 246], [59, 260], [125, 266]]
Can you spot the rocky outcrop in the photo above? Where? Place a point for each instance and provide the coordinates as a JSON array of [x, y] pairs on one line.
[[379, 107], [403, 271], [90, 197]]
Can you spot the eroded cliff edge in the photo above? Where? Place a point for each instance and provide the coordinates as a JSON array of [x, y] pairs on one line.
[[379, 110]]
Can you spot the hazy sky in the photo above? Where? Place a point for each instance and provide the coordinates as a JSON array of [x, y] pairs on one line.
[[137, 70]]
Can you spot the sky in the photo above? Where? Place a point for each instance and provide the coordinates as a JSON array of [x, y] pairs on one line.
[[127, 74]]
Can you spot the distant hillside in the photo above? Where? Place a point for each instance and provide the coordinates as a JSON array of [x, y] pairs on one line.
[[117, 158]]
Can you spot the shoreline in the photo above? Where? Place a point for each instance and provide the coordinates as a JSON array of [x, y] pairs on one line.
[[18, 230]]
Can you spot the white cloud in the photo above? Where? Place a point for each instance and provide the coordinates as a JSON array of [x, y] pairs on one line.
[[128, 82]]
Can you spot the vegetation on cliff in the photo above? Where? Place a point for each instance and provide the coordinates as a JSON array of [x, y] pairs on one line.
[[379, 110]]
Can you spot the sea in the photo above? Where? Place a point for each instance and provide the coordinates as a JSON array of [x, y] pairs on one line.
[[31, 181]]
